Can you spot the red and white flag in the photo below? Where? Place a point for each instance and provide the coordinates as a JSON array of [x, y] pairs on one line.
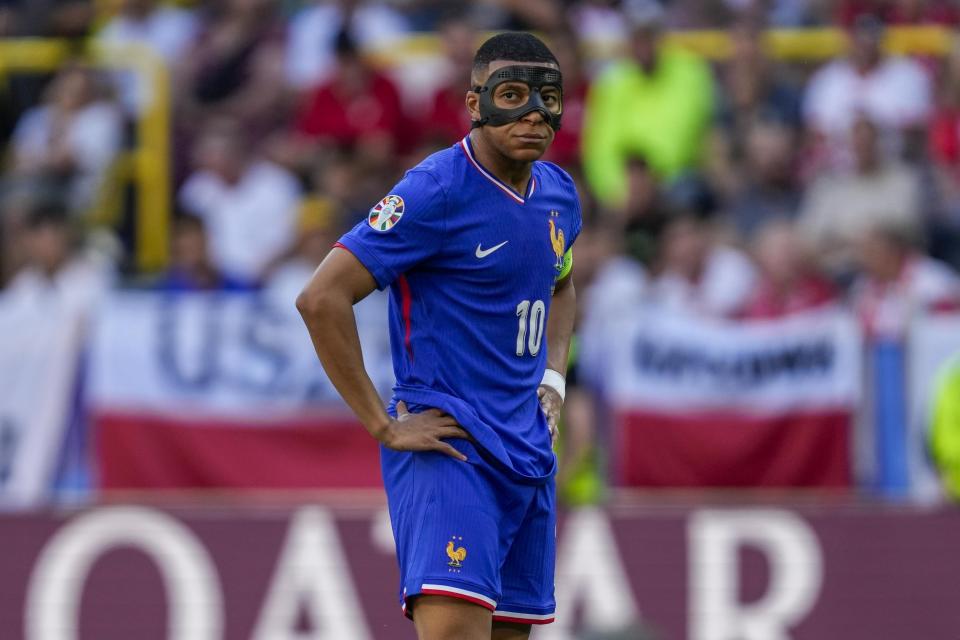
[[699, 402]]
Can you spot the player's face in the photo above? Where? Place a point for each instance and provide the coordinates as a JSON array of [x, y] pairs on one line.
[[528, 138]]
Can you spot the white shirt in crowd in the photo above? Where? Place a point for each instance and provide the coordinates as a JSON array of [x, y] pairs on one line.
[[895, 95], [167, 32], [77, 288], [310, 57], [94, 135], [886, 308], [722, 290], [248, 223], [839, 208]]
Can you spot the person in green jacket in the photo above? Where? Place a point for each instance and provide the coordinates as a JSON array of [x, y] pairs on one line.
[[945, 434], [655, 105]]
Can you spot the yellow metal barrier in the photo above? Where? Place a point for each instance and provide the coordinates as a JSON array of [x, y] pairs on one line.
[[148, 165], [150, 160], [811, 45]]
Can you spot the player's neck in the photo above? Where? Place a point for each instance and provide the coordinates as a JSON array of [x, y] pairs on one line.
[[514, 173]]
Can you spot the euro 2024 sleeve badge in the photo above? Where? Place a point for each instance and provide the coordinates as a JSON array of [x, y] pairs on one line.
[[386, 213]]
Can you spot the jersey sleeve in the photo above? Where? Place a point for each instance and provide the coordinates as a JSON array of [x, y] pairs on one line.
[[401, 231]]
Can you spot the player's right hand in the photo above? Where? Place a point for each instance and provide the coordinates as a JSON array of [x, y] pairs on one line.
[[424, 431]]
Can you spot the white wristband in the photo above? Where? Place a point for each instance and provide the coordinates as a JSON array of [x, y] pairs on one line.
[[556, 381]]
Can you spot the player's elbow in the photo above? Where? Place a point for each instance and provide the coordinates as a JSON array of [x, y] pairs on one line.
[[312, 302]]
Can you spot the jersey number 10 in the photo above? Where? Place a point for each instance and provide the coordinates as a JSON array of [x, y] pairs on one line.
[[532, 315]]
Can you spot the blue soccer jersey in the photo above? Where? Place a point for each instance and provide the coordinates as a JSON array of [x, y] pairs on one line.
[[471, 265]]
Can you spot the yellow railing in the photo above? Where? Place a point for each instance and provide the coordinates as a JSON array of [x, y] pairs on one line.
[[147, 166], [149, 161], [803, 45]]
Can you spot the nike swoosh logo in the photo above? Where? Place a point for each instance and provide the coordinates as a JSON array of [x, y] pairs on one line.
[[483, 253]]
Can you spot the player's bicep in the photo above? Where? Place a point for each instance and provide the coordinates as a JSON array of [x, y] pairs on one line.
[[342, 275]]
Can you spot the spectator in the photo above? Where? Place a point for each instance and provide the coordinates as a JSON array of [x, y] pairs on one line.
[[900, 12], [190, 266], [944, 145], [248, 205], [706, 14], [768, 188], [839, 208], [358, 109], [788, 282], [641, 219], [46, 18], [317, 229], [340, 178], [448, 119], [898, 281], [164, 30], [696, 274], [599, 26], [311, 48], [519, 15], [944, 138], [565, 148], [754, 92], [57, 272], [894, 93], [235, 69], [71, 139], [655, 104], [945, 432]]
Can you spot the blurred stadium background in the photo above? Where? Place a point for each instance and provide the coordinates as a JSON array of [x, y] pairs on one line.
[[762, 439]]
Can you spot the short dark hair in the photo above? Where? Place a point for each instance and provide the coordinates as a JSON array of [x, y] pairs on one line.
[[512, 45]]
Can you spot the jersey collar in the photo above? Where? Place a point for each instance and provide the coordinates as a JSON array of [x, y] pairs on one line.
[[507, 189]]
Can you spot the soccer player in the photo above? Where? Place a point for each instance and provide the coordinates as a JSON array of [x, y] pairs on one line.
[[474, 244]]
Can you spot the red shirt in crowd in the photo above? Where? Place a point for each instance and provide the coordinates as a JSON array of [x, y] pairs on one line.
[[770, 302], [945, 136], [448, 120], [565, 149], [335, 114]]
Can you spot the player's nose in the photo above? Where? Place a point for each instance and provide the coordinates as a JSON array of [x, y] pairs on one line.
[[535, 117]]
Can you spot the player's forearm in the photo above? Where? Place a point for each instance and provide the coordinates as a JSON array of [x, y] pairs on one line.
[[563, 312], [333, 330]]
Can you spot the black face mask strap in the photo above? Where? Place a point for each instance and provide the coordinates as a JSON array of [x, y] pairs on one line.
[[476, 124]]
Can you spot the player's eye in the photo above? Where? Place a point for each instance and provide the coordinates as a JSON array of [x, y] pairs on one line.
[[552, 101]]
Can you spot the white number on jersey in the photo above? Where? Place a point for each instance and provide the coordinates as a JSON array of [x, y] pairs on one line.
[[532, 316]]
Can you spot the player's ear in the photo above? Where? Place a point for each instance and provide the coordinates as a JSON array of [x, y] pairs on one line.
[[473, 105]]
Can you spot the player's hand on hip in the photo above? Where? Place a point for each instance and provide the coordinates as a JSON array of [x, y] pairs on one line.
[[552, 404], [424, 431]]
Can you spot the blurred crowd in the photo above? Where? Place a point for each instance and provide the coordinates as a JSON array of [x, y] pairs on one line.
[[747, 188]]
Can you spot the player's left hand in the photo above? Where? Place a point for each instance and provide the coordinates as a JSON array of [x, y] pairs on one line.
[[552, 404]]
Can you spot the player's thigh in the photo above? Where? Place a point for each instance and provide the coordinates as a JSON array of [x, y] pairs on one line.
[[510, 631], [444, 618]]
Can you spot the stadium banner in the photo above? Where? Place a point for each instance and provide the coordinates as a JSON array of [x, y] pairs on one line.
[[663, 571], [41, 342], [224, 390], [697, 402]]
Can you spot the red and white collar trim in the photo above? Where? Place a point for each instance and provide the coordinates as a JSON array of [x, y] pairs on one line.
[[510, 191]]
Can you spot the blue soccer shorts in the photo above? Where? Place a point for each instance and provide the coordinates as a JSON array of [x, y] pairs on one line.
[[465, 530]]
